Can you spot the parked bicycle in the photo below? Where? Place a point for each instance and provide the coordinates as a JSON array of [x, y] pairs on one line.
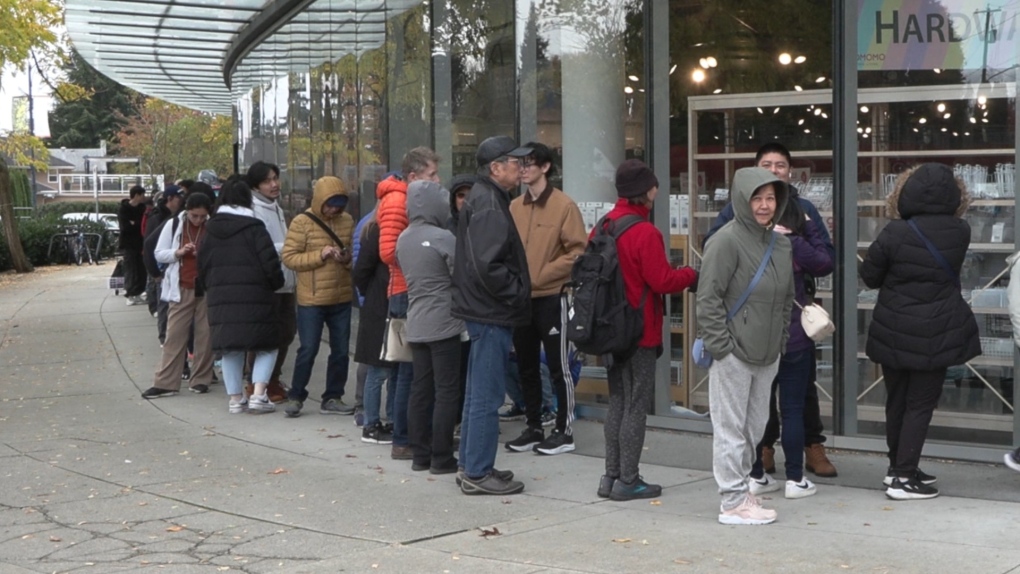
[[75, 243]]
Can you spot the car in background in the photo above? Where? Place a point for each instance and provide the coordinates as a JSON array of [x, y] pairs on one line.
[[109, 220]]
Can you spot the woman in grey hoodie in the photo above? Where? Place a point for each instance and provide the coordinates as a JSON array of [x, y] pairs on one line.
[[746, 348], [425, 254]]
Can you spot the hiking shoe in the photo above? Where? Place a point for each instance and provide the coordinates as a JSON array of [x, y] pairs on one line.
[[768, 459], [816, 462], [557, 443], [548, 418], [910, 489], [401, 453], [763, 485], [529, 438], [157, 393], [921, 476], [511, 413], [506, 475], [802, 489], [359, 418], [1012, 459], [276, 392], [637, 489], [750, 512], [335, 407], [200, 389], [490, 484], [238, 407], [605, 486], [374, 434], [292, 408], [259, 404]]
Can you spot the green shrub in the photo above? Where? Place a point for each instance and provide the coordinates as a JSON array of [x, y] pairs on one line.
[[35, 236]]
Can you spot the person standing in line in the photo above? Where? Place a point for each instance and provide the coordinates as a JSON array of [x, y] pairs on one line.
[[129, 217], [361, 369], [317, 249], [178, 248], [647, 276], [264, 180], [921, 324], [746, 347], [166, 209], [240, 270], [425, 251], [391, 213], [492, 295], [552, 230], [460, 187]]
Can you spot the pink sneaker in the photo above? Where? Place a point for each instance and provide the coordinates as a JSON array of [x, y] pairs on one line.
[[749, 512]]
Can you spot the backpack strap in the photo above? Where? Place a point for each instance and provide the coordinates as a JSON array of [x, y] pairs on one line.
[[617, 228], [939, 258], [755, 280], [326, 228]]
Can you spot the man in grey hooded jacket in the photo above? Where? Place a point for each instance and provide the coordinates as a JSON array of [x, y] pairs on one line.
[[746, 348]]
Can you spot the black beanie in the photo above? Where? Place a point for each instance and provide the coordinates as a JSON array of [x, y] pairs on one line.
[[633, 179]]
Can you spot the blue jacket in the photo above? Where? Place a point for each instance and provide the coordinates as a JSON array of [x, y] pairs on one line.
[[356, 249]]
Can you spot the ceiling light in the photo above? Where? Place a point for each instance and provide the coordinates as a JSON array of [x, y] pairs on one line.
[[922, 121], [945, 129], [941, 107], [703, 63], [712, 62], [818, 111], [798, 88], [775, 111], [807, 131], [672, 69], [799, 60], [982, 100], [867, 130], [717, 91], [698, 76], [628, 90], [800, 122], [915, 130], [973, 120], [860, 130], [864, 109], [938, 70], [634, 78], [946, 115], [825, 115], [820, 79], [785, 59], [760, 111]]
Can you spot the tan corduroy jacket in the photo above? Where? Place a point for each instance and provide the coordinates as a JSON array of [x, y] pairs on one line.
[[553, 234]]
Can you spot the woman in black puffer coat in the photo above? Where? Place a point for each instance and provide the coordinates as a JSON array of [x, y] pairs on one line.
[[240, 271], [921, 324]]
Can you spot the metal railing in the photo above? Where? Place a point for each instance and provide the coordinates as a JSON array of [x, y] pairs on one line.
[[117, 184]]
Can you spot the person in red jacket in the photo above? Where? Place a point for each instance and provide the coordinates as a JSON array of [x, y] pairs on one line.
[[391, 213], [642, 254]]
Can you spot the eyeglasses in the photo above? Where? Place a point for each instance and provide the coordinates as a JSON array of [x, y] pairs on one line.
[[516, 160]]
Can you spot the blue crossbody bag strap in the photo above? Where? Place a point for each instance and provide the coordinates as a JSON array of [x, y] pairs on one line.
[[939, 258], [754, 281]]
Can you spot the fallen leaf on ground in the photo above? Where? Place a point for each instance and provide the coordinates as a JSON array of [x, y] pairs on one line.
[[334, 436], [54, 539], [174, 528], [280, 470], [680, 561], [656, 503], [487, 533], [350, 456], [621, 540], [886, 508]]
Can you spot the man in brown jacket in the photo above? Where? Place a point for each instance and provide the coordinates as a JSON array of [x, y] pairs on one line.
[[324, 293], [552, 230]]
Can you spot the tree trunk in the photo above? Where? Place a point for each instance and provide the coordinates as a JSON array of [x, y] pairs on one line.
[[10, 222]]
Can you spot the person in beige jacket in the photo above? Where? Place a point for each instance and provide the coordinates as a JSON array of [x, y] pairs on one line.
[[322, 260], [552, 231]]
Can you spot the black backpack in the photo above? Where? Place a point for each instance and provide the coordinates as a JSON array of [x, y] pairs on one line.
[[600, 320], [153, 267]]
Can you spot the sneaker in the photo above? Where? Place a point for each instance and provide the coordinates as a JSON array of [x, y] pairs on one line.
[[910, 489], [200, 389], [388, 427], [155, 314], [374, 434], [557, 443], [398, 452], [260, 404], [335, 407], [511, 413], [802, 489], [1012, 459], [186, 374], [132, 301], [763, 485], [921, 476], [157, 393], [359, 418], [637, 489], [506, 475], [490, 484], [548, 418], [238, 407], [750, 512], [292, 408], [605, 486], [528, 440], [276, 392]]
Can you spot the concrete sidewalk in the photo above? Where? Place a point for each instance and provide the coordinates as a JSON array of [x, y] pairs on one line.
[[96, 479]]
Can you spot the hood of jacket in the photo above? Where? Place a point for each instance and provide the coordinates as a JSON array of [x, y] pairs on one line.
[[230, 221], [426, 203], [458, 181], [931, 190], [745, 182], [326, 188], [392, 184]]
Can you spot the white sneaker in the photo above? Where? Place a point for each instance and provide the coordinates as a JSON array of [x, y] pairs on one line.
[[238, 407], [763, 485], [260, 404], [134, 301], [750, 512], [802, 489], [1010, 458]]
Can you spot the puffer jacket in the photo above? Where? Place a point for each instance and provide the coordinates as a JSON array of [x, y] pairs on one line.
[[757, 335], [320, 282], [391, 213], [921, 321]]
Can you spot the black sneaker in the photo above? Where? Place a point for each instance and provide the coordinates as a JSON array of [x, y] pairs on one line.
[[528, 440], [186, 374], [911, 489], [921, 476], [511, 413], [375, 434], [506, 475], [387, 428], [490, 484], [637, 489], [200, 389], [156, 393], [557, 443], [605, 486]]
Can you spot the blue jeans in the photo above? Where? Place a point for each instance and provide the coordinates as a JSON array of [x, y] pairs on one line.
[[793, 379], [486, 387], [233, 369], [310, 321], [405, 374], [373, 391]]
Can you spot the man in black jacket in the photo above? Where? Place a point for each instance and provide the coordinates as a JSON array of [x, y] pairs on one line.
[[492, 294], [129, 216]]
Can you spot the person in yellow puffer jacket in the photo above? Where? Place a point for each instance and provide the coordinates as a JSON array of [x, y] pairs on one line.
[[322, 260]]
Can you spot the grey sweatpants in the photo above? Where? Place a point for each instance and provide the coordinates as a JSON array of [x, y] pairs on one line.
[[738, 395], [631, 385]]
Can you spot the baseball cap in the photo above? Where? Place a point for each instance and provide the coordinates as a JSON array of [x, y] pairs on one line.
[[499, 146], [171, 191]]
